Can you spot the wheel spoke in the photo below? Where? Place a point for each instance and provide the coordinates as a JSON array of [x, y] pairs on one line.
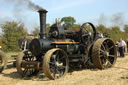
[[62, 57], [53, 63], [58, 72], [25, 71], [54, 72], [106, 43], [54, 58], [61, 67], [52, 69], [111, 55], [106, 47], [111, 47], [85, 34], [103, 47], [108, 61], [102, 55], [102, 50], [85, 30]]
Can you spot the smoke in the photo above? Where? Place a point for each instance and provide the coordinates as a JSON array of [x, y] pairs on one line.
[[116, 19], [20, 8], [21, 11], [102, 19], [24, 3]]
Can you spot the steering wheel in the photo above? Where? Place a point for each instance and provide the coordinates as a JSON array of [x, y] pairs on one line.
[[87, 33]]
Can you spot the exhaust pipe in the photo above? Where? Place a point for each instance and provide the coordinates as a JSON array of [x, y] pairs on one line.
[[42, 14]]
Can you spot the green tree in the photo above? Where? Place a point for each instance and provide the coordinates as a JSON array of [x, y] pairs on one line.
[[47, 28], [115, 33], [104, 30], [101, 28], [126, 28], [12, 32], [36, 31], [76, 27], [68, 22]]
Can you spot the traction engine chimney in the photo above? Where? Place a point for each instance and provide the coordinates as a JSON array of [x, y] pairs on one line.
[[42, 13]]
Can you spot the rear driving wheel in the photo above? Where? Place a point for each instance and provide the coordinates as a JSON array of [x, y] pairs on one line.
[[55, 63], [104, 53]]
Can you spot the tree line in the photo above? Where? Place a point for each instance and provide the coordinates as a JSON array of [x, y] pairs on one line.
[[12, 31]]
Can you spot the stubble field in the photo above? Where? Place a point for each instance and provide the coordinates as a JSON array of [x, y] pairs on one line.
[[117, 75]]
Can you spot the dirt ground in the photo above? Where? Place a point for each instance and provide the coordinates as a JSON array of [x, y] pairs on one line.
[[117, 75]]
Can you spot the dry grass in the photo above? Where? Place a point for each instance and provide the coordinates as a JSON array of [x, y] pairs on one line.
[[117, 75]]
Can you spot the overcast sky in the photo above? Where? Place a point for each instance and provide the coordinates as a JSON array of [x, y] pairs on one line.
[[107, 12]]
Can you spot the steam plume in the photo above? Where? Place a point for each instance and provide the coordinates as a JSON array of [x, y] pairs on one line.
[[112, 20], [118, 19], [26, 3], [102, 19]]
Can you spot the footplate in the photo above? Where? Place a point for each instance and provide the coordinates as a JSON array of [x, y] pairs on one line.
[[31, 65]]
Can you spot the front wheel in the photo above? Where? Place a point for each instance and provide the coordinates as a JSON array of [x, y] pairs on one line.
[[55, 63]]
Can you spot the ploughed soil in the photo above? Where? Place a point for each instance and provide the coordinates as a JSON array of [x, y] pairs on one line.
[[117, 75]]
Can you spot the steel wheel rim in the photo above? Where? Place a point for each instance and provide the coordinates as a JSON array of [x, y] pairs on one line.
[[107, 53], [104, 53], [57, 65]]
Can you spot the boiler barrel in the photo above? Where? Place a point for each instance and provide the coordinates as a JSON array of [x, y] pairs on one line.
[[41, 46]]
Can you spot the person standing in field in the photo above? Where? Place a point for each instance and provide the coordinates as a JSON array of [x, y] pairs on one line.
[[122, 45]]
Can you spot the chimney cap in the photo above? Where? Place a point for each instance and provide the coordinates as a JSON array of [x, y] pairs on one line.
[[42, 10]]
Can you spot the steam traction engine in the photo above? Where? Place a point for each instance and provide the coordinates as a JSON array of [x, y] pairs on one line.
[[64, 50]]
